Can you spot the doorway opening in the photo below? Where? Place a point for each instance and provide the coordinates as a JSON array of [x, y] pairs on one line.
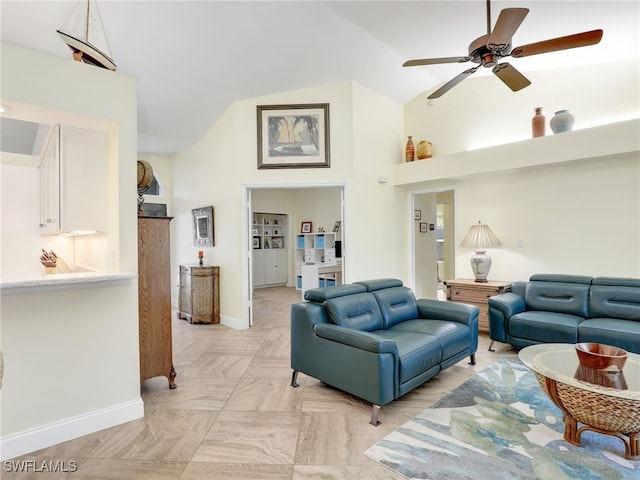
[[289, 228], [432, 249]]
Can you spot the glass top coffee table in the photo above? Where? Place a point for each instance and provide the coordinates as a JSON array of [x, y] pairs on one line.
[[599, 400]]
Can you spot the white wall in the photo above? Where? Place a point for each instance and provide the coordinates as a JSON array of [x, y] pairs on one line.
[[71, 354], [482, 111], [582, 218], [365, 136]]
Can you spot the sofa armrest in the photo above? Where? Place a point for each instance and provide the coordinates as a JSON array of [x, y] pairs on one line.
[[450, 311], [501, 308], [356, 338], [508, 303]]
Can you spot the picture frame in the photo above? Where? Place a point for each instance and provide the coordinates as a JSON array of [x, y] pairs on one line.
[[305, 227], [423, 227], [336, 226], [293, 136], [417, 214], [257, 243], [277, 242], [202, 226]]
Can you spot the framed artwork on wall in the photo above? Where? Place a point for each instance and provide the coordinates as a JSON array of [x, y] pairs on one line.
[[423, 227], [305, 227], [417, 214], [293, 136], [203, 227]]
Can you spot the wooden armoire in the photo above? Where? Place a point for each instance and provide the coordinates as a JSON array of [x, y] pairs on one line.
[[154, 299]]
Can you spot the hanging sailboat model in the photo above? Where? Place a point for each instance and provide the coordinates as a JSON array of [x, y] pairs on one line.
[[85, 35]]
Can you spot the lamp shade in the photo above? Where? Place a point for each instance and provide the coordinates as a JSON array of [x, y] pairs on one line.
[[478, 236]]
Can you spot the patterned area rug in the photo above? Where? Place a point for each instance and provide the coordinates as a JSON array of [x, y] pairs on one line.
[[499, 425]]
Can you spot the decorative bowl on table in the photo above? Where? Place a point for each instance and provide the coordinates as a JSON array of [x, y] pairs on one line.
[[600, 357]]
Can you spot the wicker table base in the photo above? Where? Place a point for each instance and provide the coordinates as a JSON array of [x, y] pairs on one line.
[[596, 412]]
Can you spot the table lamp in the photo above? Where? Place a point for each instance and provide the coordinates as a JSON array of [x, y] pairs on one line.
[[479, 237]]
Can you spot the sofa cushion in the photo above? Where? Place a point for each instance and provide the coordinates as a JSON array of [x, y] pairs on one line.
[[611, 331], [560, 278], [359, 311], [418, 352], [545, 327], [617, 281], [319, 295], [615, 302], [380, 283], [569, 298], [453, 336], [397, 304]]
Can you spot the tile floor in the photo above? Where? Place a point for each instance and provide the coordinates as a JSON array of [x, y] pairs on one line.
[[234, 415]]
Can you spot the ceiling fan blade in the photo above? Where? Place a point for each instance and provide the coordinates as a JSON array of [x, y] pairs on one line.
[[435, 61], [511, 76], [506, 25], [561, 43], [452, 83]]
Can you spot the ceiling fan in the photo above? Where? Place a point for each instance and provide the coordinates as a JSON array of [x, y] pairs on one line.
[[488, 49]]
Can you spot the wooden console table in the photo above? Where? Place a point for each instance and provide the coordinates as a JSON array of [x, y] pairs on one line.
[[464, 290]]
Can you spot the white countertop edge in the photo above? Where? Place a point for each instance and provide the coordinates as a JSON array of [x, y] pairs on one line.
[[66, 280]]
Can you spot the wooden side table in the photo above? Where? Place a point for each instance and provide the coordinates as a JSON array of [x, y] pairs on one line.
[[464, 290], [199, 294]]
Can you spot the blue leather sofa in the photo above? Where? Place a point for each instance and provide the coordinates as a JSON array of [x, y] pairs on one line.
[[552, 308], [374, 340]]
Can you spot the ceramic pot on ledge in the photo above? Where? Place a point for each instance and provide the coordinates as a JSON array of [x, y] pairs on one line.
[[562, 121]]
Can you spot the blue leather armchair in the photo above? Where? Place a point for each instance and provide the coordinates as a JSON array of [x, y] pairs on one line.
[[373, 339]]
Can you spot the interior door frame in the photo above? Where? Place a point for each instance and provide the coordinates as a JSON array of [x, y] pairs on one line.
[[247, 245]]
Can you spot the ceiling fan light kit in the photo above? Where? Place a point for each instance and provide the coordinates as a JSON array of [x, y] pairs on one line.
[[489, 49]]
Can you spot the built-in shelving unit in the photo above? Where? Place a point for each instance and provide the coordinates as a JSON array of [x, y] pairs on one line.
[[316, 249], [590, 144], [269, 249]]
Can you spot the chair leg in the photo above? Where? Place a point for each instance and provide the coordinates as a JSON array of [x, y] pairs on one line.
[[294, 379], [473, 359], [491, 345], [375, 412]]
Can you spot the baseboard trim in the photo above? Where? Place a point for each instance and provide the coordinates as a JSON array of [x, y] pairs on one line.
[[233, 322], [47, 435]]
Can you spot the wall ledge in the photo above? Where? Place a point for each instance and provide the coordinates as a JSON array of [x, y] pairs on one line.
[[596, 143]]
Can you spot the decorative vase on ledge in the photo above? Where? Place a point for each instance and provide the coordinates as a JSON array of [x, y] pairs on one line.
[[410, 150], [424, 149], [562, 121], [538, 123]]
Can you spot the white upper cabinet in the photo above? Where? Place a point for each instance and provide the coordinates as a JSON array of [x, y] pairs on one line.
[[73, 182]]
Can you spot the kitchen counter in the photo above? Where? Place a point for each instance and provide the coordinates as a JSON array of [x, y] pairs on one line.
[[65, 280]]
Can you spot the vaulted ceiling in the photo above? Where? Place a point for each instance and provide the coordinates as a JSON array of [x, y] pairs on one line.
[[193, 59]]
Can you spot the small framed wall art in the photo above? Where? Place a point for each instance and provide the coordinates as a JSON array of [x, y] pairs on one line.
[[203, 227], [305, 227], [423, 227]]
